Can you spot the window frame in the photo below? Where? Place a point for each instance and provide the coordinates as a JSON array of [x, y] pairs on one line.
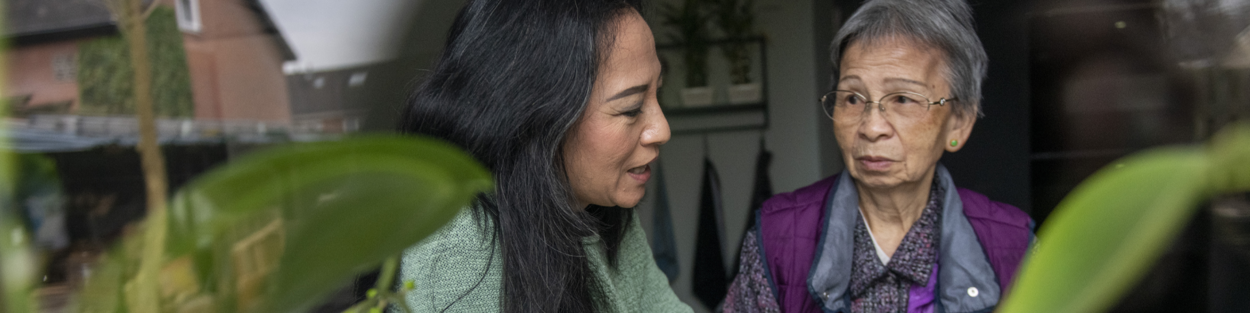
[[183, 12]]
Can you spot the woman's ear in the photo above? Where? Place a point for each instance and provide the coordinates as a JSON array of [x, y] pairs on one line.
[[960, 124]]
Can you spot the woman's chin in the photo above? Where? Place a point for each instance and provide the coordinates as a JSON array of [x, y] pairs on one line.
[[629, 204], [873, 180], [630, 200], [635, 196]]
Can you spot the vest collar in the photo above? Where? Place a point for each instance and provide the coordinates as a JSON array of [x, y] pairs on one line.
[[966, 281]]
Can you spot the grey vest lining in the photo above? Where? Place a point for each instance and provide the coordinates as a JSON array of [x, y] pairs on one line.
[[962, 263]]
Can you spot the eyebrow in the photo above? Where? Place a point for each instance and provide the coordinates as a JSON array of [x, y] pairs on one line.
[[629, 92], [904, 80], [888, 80]]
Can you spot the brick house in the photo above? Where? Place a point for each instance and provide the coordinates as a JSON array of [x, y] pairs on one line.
[[234, 56], [44, 38], [331, 101]]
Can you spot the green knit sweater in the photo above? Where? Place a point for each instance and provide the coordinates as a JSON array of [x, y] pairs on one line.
[[447, 265]]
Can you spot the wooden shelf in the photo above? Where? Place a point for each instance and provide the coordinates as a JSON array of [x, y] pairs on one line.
[[715, 109], [717, 118]]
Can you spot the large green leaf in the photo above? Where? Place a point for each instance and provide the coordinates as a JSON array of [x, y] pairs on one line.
[[343, 206], [1116, 224]]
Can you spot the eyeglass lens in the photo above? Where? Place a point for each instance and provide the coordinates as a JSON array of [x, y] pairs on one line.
[[851, 107]]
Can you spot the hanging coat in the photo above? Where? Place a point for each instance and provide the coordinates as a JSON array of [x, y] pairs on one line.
[[663, 244], [710, 277]]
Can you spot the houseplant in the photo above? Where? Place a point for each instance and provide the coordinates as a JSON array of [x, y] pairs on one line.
[[736, 20], [690, 21], [272, 231], [275, 230]]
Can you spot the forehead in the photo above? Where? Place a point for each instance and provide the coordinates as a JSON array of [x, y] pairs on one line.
[[892, 57], [631, 39]]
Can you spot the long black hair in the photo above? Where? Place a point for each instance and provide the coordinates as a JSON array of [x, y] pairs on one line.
[[514, 78]]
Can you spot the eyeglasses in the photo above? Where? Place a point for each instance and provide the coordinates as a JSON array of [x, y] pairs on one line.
[[846, 106]]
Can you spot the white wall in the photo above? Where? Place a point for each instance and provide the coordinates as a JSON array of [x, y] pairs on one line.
[[791, 136]]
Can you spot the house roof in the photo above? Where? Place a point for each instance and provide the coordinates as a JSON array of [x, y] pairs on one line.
[[269, 27], [330, 92], [27, 19], [46, 20]]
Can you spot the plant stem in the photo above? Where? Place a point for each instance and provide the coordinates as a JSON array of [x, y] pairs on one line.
[[386, 278], [154, 231]]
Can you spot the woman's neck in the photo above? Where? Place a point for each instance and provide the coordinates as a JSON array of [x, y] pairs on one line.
[[890, 212]]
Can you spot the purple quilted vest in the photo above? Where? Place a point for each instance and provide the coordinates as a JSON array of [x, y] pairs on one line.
[[790, 229]]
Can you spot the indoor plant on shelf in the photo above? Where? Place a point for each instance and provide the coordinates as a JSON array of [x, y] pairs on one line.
[[691, 23], [736, 19]]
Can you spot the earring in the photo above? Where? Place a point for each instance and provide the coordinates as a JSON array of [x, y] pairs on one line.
[[954, 142]]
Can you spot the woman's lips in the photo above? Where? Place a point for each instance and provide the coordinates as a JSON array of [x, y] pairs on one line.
[[876, 164], [641, 173]]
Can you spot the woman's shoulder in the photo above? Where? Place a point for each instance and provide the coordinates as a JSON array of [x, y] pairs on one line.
[[464, 238], [979, 207], [795, 215], [459, 266], [804, 197], [637, 284]]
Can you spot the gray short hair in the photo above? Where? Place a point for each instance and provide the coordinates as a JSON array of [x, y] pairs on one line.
[[943, 24]]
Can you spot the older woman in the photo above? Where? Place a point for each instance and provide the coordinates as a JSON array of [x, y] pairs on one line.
[[558, 99], [892, 233]]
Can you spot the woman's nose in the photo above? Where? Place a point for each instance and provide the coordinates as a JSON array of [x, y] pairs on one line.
[[874, 125], [657, 131]]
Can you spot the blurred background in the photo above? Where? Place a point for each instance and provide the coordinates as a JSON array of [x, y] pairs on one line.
[[1072, 86]]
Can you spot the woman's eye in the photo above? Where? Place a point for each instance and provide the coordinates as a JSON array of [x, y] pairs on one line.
[[632, 113], [903, 100], [851, 99]]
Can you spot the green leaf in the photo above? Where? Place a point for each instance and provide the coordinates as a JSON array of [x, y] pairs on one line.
[[1230, 155], [102, 291], [1116, 224], [18, 262], [341, 206]]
